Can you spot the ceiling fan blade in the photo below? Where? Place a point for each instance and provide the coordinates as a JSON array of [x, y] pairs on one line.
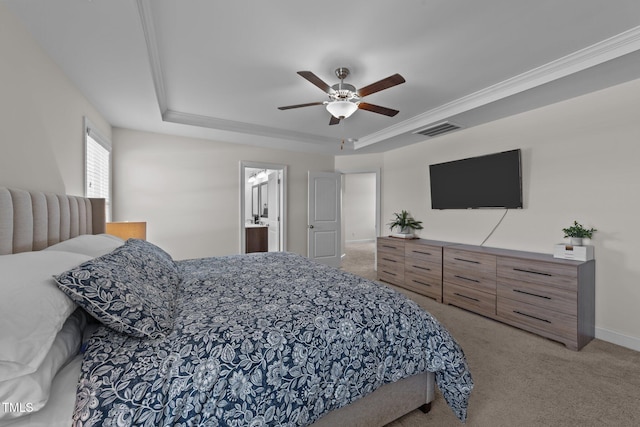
[[315, 80], [377, 109], [390, 81], [334, 121], [288, 107]]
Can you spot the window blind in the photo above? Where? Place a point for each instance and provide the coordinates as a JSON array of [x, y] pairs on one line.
[[98, 167]]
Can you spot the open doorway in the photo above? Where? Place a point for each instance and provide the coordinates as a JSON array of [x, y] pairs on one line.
[[361, 220], [262, 207]]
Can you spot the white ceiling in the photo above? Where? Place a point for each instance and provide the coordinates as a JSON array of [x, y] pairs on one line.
[[219, 69]]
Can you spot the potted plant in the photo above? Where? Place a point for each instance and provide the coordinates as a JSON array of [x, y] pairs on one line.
[[577, 232], [406, 223]]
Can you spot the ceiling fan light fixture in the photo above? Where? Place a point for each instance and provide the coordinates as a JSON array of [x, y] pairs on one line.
[[341, 109]]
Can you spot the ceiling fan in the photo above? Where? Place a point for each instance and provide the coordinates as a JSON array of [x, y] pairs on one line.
[[344, 99]]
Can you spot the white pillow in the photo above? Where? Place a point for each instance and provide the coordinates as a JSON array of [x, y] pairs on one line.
[[31, 391], [58, 412], [32, 308], [93, 245]]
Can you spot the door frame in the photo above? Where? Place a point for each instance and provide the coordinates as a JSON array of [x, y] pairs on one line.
[[244, 164]]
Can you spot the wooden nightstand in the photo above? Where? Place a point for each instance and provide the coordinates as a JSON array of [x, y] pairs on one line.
[[126, 229]]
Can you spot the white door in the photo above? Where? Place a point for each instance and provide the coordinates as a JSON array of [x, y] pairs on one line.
[[324, 218], [273, 213]]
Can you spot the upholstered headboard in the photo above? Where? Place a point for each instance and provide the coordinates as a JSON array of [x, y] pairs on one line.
[[31, 221]]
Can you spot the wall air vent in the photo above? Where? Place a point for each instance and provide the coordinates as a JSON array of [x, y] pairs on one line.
[[437, 129]]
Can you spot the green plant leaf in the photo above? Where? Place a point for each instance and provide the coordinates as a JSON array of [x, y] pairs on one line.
[[404, 219], [578, 230]]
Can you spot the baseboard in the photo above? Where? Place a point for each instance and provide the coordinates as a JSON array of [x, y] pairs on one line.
[[616, 338], [360, 241]]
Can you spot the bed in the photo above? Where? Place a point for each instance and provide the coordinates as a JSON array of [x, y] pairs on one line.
[[257, 339]]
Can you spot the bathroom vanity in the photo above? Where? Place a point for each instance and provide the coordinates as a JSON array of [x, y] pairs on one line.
[[257, 238]]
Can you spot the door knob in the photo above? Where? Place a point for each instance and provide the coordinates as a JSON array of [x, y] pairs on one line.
[[311, 226]]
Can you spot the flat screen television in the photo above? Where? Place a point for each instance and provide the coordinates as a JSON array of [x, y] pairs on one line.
[[490, 181]]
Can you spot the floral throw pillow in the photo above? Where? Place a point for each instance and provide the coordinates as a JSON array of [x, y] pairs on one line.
[[131, 289]]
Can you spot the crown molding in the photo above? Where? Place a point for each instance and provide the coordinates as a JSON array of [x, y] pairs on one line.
[[598, 53], [168, 115], [149, 30]]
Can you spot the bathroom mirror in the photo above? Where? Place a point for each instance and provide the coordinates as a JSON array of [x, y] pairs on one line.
[[255, 201], [264, 200]]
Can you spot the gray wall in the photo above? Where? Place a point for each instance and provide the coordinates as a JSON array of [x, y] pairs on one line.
[[188, 190], [41, 117]]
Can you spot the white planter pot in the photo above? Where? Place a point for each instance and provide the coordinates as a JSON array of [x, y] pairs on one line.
[[576, 241]]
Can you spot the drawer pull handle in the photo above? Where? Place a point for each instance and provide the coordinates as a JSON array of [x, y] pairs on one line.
[[388, 272], [533, 272], [532, 294], [421, 268], [389, 246], [464, 296], [466, 278], [467, 260], [389, 259], [421, 283], [421, 252], [533, 317]]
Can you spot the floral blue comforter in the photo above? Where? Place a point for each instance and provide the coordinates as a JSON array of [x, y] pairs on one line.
[[266, 339]]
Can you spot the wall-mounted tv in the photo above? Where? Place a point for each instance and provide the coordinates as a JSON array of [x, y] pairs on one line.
[[490, 181]]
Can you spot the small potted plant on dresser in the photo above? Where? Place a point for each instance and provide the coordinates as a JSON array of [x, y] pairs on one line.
[[577, 232], [406, 225]]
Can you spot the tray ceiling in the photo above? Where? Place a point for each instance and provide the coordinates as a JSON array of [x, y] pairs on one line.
[[219, 70]]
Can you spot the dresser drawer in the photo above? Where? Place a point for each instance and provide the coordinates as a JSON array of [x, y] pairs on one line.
[[422, 252], [474, 270], [545, 297], [391, 260], [540, 272], [389, 276], [391, 268], [424, 278], [430, 270], [474, 261], [470, 299], [391, 246], [548, 323], [422, 287]]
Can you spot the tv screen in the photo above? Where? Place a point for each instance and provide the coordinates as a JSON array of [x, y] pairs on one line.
[[490, 181]]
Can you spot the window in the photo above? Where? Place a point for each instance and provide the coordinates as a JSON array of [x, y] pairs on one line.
[[97, 166]]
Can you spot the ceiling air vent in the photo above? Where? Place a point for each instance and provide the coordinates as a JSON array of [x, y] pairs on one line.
[[437, 129]]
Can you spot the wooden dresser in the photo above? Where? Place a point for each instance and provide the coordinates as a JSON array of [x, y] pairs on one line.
[[551, 297], [414, 264], [391, 260], [423, 267], [548, 296], [470, 280]]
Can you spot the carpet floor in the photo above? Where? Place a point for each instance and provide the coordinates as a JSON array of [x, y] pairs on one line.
[[522, 379]]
